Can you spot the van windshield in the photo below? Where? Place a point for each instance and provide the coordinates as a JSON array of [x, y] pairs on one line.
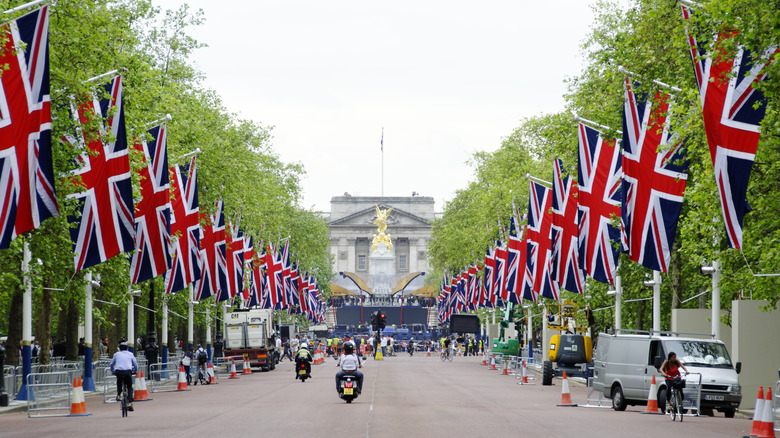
[[699, 353]]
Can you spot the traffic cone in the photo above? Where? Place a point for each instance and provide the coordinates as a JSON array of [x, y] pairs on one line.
[[379, 355], [247, 368], [493, 363], [233, 374], [139, 391], [484, 359], [505, 369], [767, 428], [524, 374], [429, 353], [565, 395], [76, 403], [210, 373], [182, 379], [652, 399], [758, 413]]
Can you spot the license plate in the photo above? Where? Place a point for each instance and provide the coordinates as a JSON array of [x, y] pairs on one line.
[[302, 372], [347, 391], [713, 397]]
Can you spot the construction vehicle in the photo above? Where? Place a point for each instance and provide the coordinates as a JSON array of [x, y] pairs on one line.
[[248, 334], [571, 348], [508, 347]]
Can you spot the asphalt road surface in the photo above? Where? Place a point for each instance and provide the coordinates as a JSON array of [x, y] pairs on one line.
[[402, 397]]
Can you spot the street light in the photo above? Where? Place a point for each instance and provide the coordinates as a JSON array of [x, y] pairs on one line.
[[714, 271]]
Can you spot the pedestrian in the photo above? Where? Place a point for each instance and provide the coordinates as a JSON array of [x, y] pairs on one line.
[[186, 362], [286, 349], [383, 345]]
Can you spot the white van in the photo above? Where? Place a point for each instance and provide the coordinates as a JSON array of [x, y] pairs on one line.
[[624, 366]]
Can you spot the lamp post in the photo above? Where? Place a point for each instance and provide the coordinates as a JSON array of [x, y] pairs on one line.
[[714, 270], [656, 285], [618, 293]]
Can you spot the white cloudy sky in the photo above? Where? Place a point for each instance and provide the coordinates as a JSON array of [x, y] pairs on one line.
[[444, 79]]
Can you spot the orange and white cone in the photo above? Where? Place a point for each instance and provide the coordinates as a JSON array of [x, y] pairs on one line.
[[429, 353], [233, 374], [182, 379], [210, 373], [505, 369], [565, 394], [484, 358], [767, 427], [652, 399], [493, 363], [758, 413], [139, 391], [76, 399], [524, 374], [247, 368], [81, 396]]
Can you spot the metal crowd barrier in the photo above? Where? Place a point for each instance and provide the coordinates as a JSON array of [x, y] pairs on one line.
[[692, 402], [48, 394], [109, 386], [9, 380], [600, 401], [776, 405], [498, 359], [529, 374], [222, 367], [162, 378]]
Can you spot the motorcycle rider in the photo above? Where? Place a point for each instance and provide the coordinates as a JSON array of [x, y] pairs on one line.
[[411, 346], [350, 363], [303, 356]]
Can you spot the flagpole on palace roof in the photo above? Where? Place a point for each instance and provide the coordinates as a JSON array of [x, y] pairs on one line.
[[25, 6], [382, 150]]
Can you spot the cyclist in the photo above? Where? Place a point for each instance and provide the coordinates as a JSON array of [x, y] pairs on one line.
[[123, 366], [671, 371], [446, 350], [203, 357]]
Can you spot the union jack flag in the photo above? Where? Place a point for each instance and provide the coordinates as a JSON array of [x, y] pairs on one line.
[[488, 294], [516, 257], [473, 297], [27, 195], [599, 203], [185, 225], [540, 241], [284, 258], [213, 267], [248, 287], [153, 212], [654, 165], [566, 270], [105, 207], [732, 109], [234, 260], [499, 274]]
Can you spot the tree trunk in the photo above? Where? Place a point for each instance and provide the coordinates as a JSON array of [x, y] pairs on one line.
[[150, 315], [72, 336], [43, 326], [640, 315], [62, 318], [674, 273], [118, 316], [14, 329]]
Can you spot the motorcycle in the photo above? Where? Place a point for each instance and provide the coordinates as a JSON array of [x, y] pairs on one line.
[[302, 371], [348, 388]]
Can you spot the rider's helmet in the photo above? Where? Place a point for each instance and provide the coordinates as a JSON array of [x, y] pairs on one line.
[[123, 346], [305, 346], [349, 348]]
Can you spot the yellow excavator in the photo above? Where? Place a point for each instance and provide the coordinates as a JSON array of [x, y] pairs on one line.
[[571, 347]]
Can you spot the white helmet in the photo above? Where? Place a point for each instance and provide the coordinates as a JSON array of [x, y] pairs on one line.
[[305, 345]]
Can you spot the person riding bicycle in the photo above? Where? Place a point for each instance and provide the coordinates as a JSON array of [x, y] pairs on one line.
[[350, 363], [123, 366], [303, 356], [446, 351], [203, 358], [671, 371]]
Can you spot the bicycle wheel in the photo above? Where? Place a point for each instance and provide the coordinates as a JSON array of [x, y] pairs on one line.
[[124, 403], [443, 356], [449, 356], [679, 398]]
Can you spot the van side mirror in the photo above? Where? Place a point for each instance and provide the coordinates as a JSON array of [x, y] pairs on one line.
[[658, 362], [738, 367]]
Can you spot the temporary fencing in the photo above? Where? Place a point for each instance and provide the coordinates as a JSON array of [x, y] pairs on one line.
[[49, 394], [776, 406], [525, 374], [593, 401], [692, 394], [498, 358], [161, 379], [109, 386], [222, 367]]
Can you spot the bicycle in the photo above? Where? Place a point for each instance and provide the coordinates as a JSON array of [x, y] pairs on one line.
[[676, 399], [446, 354], [124, 405]]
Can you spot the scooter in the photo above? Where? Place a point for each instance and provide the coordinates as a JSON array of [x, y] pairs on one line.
[[302, 371], [348, 388]]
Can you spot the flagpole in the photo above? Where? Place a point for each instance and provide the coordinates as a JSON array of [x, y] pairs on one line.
[[382, 149]]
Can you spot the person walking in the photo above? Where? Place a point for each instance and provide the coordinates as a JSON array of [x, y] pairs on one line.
[[286, 349], [186, 362], [383, 345]]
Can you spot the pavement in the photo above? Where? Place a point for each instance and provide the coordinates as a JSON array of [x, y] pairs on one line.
[[402, 397]]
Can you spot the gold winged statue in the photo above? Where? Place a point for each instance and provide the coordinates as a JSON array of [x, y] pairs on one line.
[[381, 223]]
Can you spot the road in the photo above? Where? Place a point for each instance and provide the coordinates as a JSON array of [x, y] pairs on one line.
[[402, 397]]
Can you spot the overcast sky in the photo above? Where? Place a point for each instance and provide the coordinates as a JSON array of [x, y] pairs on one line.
[[444, 78]]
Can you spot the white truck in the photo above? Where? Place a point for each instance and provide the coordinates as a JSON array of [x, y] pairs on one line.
[[248, 334]]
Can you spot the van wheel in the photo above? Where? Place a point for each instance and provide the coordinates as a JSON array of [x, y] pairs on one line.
[[729, 412], [547, 373], [662, 399], [618, 401]]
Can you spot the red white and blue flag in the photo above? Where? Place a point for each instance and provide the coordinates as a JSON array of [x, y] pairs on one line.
[[488, 296], [104, 219], [516, 261], [27, 195], [185, 226], [566, 270], [599, 203], [213, 268], [654, 165], [152, 256], [539, 232], [234, 259], [732, 109], [499, 274]]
